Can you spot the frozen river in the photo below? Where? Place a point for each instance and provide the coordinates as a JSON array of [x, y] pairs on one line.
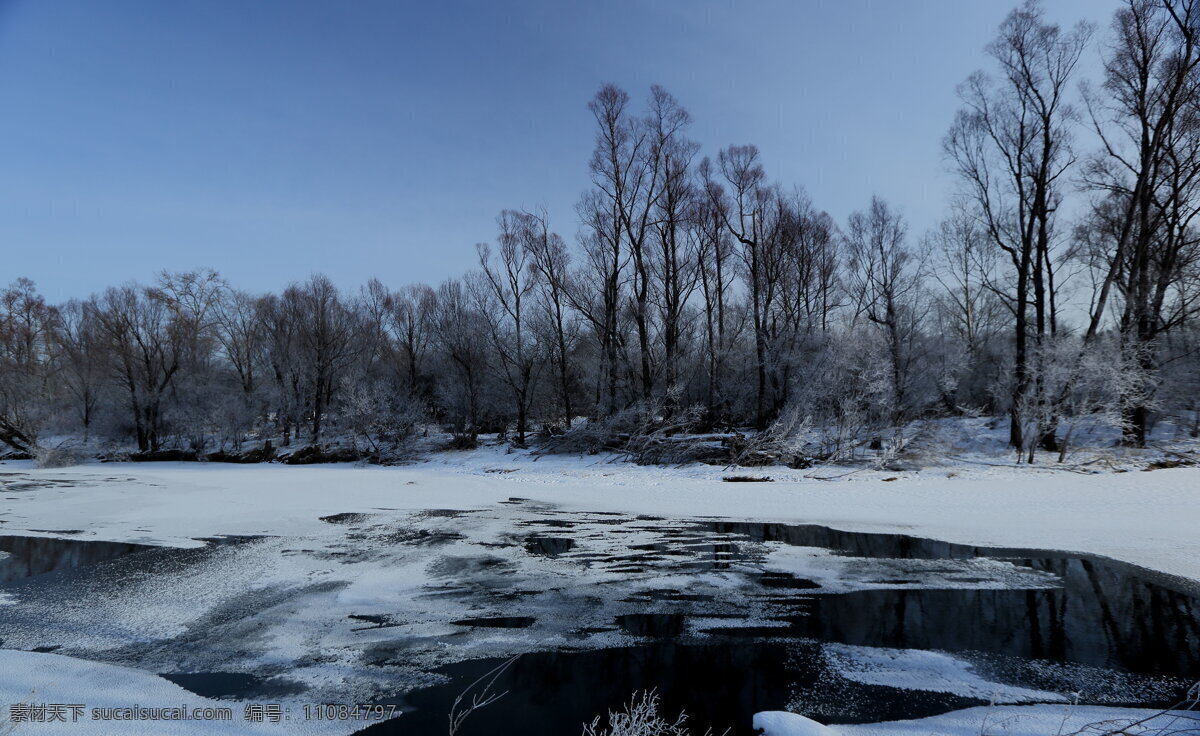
[[724, 618]]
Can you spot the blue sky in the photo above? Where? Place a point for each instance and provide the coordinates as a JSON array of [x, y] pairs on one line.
[[273, 139]]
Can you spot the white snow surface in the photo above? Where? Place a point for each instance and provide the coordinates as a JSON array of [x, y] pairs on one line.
[[1003, 720], [50, 678], [911, 669], [782, 723], [1146, 518]]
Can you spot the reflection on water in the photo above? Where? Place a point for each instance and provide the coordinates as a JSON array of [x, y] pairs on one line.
[[28, 556], [1106, 613], [717, 684], [1100, 617], [648, 614], [1104, 617], [233, 685]]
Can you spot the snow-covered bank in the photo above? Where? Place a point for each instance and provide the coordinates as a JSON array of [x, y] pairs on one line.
[[108, 699], [1146, 518], [1009, 720]]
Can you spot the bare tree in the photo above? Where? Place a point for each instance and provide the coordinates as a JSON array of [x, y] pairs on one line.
[[809, 292], [963, 264], [884, 281], [550, 258], [414, 309], [752, 213], [78, 345], [1011, 146], [804, 263], [376, 344], [146, 351], [240, 332], [26, 326], [462, 342], [715, 267], [197, 402], [511, 283], [596, 291], [628, 173], [673, 264], [280, 317], [327, 343], [1142, 240]]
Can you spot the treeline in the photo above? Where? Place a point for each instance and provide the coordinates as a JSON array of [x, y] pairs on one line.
[[700, 295]]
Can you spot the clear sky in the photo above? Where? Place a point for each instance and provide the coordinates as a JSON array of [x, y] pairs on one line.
[[270, 139]]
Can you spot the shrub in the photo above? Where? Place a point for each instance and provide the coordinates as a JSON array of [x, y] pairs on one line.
[[57, 457]]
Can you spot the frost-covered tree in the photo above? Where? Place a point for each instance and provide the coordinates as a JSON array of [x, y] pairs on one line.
[[26, 369], [1011, 146], [462, 343], [78, 345], [328, 340], [1142, 240], [885, 282], [968, 312], [506, 306], [558, 322]]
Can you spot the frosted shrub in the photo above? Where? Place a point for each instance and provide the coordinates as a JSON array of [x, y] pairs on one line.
[[639, 717], [643, 433], [1072, 385], [380, 420], [57, 457]]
